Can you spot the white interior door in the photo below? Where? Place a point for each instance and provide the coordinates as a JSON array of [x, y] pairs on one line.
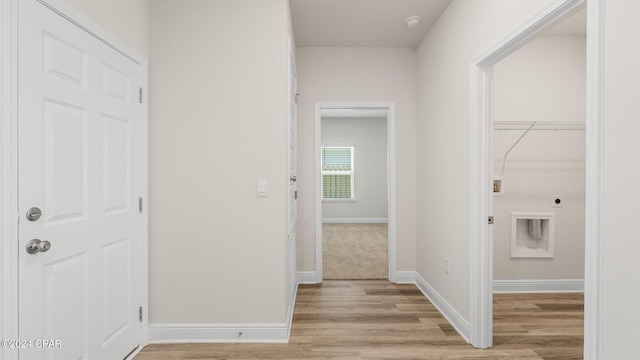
[[79, 163], [293, 183]]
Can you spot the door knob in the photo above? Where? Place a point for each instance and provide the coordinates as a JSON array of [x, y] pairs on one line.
[[293, 178], [34, 214], [36, 245]]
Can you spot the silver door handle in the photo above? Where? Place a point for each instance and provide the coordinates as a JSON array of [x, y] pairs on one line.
[[36, 245]]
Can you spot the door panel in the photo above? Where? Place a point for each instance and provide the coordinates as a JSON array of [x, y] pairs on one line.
[[65, 162], [115, 281], [79, 162], [117, 194], [64, 60], [66, 306]]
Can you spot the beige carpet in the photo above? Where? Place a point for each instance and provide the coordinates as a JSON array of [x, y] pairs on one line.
[[355, 251]]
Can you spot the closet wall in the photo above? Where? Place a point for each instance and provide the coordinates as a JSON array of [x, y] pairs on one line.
[[544, 81]]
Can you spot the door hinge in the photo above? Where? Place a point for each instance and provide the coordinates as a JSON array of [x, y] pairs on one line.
[[141, 96], [295, 195], [490, 220], [140, 204], [140, 313], [296, 100]]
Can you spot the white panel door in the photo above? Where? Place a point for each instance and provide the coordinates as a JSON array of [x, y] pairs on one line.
[[293, 183], [79, 163]]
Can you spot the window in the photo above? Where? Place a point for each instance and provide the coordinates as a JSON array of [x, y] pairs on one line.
[[337, 172]]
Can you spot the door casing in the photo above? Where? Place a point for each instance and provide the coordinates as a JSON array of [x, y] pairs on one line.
[[391, 174], [481, 243], [9, 160]]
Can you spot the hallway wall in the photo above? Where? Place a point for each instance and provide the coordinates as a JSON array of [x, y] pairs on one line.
[[464, 31], [127, 20], [620, 291], [218, 122]]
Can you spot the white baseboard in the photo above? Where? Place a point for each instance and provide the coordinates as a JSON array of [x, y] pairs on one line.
[[449, 312], [225, 333], [291, 309], [135, 352], [218, 333], [538, 286], [405, 277], [306, 277], [355, 220]]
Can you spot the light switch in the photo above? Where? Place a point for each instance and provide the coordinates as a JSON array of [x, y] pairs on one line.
[[261, 187]]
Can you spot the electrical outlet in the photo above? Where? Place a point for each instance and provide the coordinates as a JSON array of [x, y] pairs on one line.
[[446, 266]]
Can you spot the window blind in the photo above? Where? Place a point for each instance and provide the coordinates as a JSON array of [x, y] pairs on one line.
[[337, 172]]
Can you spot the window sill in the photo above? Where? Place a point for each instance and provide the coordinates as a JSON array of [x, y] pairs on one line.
[[338, 200]]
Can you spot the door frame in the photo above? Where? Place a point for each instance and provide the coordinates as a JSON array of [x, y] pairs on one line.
[[391, 176], [481, 242], [9, 160]]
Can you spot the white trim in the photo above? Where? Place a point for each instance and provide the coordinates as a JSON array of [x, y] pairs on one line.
[[405, 277], [9, 172], [227, 333], [538, 286], [594, 200], [391, 165], [447, 310], [481, 242], [134, 353], [9, 156], [218, 333], [306, 277], [291, 308], [355, 220]]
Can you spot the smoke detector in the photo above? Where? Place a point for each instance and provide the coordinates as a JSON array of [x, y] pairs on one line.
[[412, 21]]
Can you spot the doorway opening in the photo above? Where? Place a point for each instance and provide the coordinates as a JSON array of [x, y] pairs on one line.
[[481, 246], [539, 171], [355, 191]]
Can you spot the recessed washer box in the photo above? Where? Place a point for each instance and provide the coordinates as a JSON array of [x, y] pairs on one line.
[[532, 235]]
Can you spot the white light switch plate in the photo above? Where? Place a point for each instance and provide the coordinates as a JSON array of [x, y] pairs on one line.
[[261, 188]]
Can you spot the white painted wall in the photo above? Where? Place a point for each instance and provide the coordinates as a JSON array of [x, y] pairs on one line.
[[543, 164], [358, 74], [218, 122], [127, 20], [620, 287], [464, 31], [543, 81], [369, 139]]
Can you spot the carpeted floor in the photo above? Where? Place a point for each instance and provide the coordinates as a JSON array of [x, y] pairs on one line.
[[355, 251]]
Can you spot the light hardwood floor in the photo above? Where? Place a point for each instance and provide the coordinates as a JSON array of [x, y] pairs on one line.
[[380, 320]]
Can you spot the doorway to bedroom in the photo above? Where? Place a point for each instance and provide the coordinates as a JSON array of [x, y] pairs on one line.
[[354, 193]]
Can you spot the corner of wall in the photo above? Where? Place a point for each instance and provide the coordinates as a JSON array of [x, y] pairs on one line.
[[446, 309]]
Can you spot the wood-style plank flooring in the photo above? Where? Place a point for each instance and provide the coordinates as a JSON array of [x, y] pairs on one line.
[[380, 320]]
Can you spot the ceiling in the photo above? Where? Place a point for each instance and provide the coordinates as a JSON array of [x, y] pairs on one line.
[[381, 23], [374, 23]]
